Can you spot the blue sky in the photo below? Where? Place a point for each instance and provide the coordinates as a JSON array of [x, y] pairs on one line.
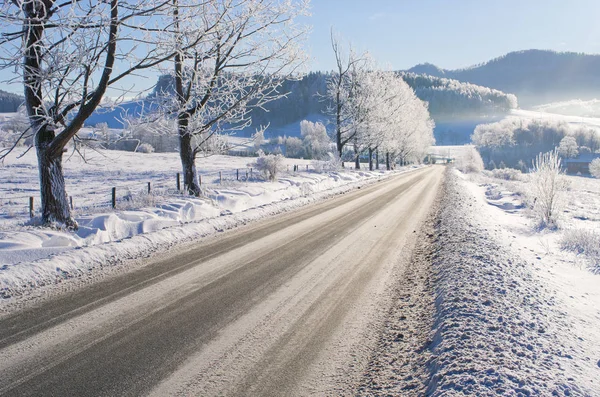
[[450, 34]]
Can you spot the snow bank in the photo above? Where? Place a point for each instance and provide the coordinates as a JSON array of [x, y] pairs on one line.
[[502, 327]]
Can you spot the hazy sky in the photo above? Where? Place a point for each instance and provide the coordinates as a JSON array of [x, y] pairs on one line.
[[450, 34]]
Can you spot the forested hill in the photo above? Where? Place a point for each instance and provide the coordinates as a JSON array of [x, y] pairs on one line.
[[452, 99], [9, 102], [456, 107], [535, 76]]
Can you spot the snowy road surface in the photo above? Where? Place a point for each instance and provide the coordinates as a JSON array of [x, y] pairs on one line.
[[286, 306]]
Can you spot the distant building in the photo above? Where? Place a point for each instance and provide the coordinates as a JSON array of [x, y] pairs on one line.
[[581, 164]]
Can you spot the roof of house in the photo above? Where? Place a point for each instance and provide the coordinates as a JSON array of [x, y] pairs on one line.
[[584, 158]]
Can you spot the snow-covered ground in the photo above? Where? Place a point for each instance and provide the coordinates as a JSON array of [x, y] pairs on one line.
[[143, 223], [574, 107], [515, 314], [540, 115]]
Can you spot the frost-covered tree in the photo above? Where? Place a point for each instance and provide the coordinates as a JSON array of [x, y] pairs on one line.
[[469, 161], [315, 139], [568, 147], [232, 56], [377, 110], [69, 54], [293, 147], [512, 140], [595, 168], [341, 92], [393, 119]]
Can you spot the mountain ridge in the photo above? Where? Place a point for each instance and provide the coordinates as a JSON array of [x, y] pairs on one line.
[[535, 76]]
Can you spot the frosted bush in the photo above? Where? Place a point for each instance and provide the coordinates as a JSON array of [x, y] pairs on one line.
[[508, 174], [145, 148], [547, 189], [583, 242], [269, 164], [333, 163], [595, 168], [470, 161]]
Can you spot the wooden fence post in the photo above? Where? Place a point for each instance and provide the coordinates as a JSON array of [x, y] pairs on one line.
[[220, 177], [71, 202], [200, 180], [237, 174], [178, 182], [149, 190], [31, 207], [114, 197]]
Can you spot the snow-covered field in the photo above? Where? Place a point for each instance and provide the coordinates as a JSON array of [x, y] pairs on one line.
[[516, 315], [575, 107], [539, 115], [31, 256]]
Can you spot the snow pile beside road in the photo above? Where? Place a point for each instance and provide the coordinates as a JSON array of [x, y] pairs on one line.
[[500, 328], [35, 257]]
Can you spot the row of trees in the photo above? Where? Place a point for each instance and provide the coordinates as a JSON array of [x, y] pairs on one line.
[[516, 142], [225, 56], [375, 111]]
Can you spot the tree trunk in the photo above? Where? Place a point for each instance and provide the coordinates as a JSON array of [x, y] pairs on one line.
[[191, 183], [370, 159], [356, 157], [387, 161], [377, 158], [53, 195]]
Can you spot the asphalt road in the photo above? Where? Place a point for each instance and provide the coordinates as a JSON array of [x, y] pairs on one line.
[[279, 307]]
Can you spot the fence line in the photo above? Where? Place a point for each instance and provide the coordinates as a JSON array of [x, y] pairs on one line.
[[126, 192]]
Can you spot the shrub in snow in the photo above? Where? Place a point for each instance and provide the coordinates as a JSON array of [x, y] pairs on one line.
[[583, 242], [145, 148], [509, 174], [595, 168], [547, 189], [470, 161], [334, 163], [269, 164]]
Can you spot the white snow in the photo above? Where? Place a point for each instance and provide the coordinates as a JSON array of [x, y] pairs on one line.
[[32, 256], [537, 115], [537, 306]]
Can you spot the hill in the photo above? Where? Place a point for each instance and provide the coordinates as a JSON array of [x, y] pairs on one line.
[[456, 107], [535, 76], [9, 102]]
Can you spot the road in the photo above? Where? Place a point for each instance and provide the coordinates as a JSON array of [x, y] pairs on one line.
[[286, 306]]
